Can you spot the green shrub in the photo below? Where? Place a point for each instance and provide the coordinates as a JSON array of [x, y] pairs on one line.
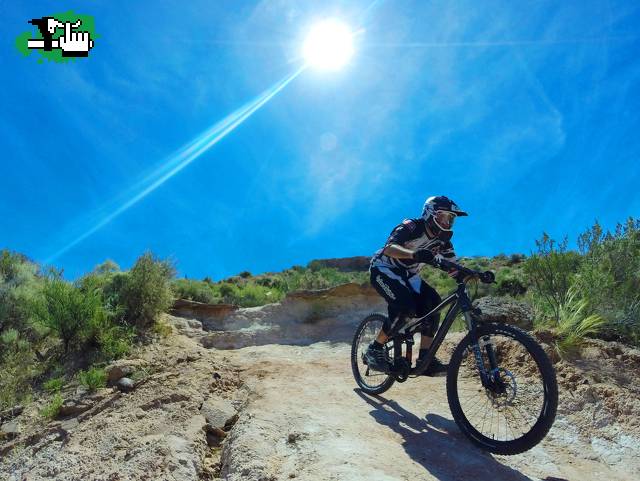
[[112, 338], [18, 289], [516, 259], [52, 409], [573, 324], [162, 328], [53, 385], [115, 341], [228, 292], [551, 271], [253, 295], [93, 378], [510, 287], [609, 276], [195, 291], [10, 263], [17, 368], [315, 265], [67, 310], [146, 291]]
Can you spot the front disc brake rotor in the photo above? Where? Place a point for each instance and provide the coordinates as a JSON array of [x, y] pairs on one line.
[[509, 388]]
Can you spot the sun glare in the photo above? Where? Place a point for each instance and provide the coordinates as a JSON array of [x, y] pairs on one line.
[[328, 45]]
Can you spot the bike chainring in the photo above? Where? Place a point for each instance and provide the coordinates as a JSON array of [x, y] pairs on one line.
[[401, 369]]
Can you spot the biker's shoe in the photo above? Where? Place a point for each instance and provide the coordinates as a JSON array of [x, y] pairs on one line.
[[436, 368], [376, 358]]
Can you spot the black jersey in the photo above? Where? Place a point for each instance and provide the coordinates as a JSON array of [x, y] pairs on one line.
[[413, 234]]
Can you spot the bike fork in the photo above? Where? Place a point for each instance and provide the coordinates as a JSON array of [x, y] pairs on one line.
[[477, 352]]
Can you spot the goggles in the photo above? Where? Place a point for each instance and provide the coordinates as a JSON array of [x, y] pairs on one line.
[[444, 219]]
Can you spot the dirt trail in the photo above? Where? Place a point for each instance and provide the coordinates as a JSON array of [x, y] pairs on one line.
[[304, 419]]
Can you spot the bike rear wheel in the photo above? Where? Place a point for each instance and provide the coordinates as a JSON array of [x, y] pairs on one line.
[[516, 409], [370, 381]]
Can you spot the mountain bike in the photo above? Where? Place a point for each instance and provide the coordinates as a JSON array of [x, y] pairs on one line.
[[501, 385]]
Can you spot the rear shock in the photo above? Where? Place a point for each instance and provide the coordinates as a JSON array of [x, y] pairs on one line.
[[401, 366]]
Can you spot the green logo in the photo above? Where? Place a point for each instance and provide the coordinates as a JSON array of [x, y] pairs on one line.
[[59, 38]]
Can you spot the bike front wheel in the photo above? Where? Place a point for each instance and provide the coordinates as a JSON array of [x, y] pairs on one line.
[[516, 406], [370, 381]]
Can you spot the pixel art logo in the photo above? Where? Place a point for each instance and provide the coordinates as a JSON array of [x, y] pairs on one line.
[[59, 37]]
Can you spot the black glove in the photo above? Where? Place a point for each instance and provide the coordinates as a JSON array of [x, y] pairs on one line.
[[424, 256], [487, 277]]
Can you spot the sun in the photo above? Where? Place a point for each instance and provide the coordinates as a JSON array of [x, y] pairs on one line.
[[328, 45]]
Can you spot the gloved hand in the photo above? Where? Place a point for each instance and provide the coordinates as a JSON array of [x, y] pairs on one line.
[[424, 256], [487, 277]]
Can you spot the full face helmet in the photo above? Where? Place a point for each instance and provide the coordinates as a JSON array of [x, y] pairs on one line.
[[440, 212]]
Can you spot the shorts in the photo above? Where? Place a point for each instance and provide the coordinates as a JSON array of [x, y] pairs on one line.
[[406, 296]]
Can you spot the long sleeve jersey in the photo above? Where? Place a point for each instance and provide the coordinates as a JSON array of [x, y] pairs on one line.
[[413, 234]]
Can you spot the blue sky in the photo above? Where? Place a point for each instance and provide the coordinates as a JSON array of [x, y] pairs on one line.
[[525, 113]]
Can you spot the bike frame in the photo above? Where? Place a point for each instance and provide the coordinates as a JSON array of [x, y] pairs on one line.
[[458, 301]]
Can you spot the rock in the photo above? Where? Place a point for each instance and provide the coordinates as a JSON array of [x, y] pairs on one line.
[[11, 413], [201, 310], [125, 384], [73, 407], [219, 413], [215, 436], [10, 430], [293, 438], [69, 425], [122, 368], [188, 327], [500, 309], [81, 391], [182, 460]]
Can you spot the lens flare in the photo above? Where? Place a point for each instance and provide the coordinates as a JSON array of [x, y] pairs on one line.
[[182, 158]]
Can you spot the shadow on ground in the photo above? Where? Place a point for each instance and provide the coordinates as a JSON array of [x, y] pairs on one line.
[[437, 444]]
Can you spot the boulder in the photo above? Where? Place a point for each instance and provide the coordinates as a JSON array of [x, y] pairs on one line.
[[125, 384], [11, 413], [122, 368], [501, 309], [219, 413], [10, 430], [73, 407]]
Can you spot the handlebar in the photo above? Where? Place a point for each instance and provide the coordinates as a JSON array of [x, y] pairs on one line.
[[487, 277]]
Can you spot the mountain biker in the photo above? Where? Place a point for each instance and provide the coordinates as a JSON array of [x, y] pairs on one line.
[[395, 275]]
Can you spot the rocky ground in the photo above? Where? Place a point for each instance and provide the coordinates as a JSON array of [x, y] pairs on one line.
[[169, 427], [272, 397]]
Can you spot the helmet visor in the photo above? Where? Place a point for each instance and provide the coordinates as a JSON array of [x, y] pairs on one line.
[[444, 219]]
